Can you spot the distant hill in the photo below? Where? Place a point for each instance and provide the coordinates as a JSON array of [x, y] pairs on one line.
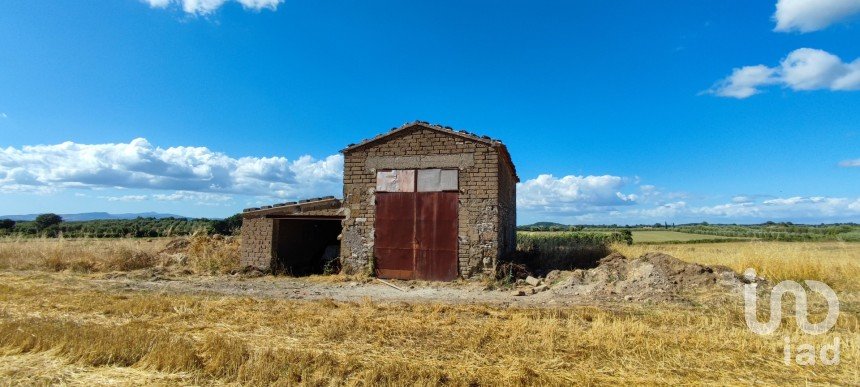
[[94, 216]]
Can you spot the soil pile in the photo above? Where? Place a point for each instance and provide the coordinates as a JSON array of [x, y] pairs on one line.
[[651, 277], [176, 246]]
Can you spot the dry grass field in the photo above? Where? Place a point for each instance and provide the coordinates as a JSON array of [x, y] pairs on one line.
[[60, 324], [834, 263]]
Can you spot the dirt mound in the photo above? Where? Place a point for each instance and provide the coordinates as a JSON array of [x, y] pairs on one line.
[[176, 246], [651, 277]]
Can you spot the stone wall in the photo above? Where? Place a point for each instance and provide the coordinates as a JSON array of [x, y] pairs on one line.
[[258, 248], [257, 243], [479, 197], [507, 210]]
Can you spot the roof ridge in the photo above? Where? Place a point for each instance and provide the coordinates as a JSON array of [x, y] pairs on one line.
[[447, 129]]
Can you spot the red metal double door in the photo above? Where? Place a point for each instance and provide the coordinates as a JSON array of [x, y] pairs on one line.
[[416, 235]]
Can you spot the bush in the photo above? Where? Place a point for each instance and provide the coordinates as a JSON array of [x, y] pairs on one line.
[[228, 226], [7, 224], [542, 252], [47, 220]]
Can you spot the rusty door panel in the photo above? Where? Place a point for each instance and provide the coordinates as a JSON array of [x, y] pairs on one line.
[[436, 236], [416, 235], [394, 242]]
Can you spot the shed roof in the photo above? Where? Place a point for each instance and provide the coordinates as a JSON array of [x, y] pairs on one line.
[[494, 143], [293, 208]]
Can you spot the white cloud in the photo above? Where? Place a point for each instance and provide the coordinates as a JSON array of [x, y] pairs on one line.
[[812, 15], [139, 165], [572, 194], [744, 81], [662, 212], [651, 194], [203, 198], [850, 163], [802, 69], [797, 208], [204, 7], [125, 198], [3, 115], [200, 197], [600, 200], [740, 199], [157, 3]]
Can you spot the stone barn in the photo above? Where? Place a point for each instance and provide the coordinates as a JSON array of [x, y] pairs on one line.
[[419, 202]]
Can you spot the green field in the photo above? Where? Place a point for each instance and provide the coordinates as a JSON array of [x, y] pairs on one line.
[[639, 236], [661, 236]]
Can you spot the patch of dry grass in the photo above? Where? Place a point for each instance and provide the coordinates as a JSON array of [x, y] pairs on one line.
[[834, 263], [213, 256], [203, 254], [79, 255], [221, 339]]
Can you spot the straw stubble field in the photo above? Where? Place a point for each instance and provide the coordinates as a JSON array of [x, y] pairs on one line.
[[69, 327]]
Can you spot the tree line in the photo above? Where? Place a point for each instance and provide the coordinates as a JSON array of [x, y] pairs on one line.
[[52, 225]]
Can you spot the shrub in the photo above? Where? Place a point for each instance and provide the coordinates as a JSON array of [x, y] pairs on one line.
[[542, 251], [47, 220], [7, 224]]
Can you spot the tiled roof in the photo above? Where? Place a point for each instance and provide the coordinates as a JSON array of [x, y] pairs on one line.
[[293, 207]]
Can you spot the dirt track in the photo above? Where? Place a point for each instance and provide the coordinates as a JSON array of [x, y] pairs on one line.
[[315, 288], [650, 279]]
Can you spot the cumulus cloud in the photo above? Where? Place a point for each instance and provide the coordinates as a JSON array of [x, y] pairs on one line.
[[812, 15], [802, 69], [204, 7], [745, 81], [572, 194], [850, 163], [140, 165], [816, 208], [797, 209], [602, 200]]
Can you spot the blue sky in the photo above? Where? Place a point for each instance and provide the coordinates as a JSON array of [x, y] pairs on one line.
[[614, 112]]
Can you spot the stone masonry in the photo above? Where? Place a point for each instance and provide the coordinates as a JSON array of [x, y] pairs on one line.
[[257, 242], [487, 191]]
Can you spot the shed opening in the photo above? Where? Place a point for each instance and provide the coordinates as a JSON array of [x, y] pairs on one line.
[[305, 246]]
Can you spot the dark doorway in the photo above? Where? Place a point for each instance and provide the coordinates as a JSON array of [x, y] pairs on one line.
[[307, 246], [416, 235]]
